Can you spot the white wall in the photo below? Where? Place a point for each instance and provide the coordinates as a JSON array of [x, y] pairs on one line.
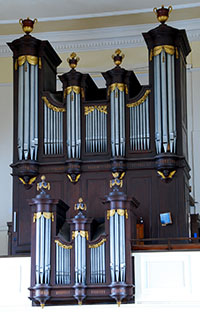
[[159, 290], [6, 138]]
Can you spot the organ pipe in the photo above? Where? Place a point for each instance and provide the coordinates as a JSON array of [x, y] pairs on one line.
[[73, 124], [164, 99], [139, 139], [27, 136]]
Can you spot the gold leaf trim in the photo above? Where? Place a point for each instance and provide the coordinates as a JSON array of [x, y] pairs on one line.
[[29, 182], [47, 215], [120, 212], [75, 89], [110, 213], [100, 108], [76, 179], [31, 59], [169, 49], [63, 245], [98, 244], [81, 233], [120, 86], [140, 101], [116, 182], [40, 63], [52, 107]]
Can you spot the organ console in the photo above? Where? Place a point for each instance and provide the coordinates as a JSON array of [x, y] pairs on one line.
[[80, 227]]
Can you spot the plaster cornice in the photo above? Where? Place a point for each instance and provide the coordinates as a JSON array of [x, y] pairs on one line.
[[102, 38]]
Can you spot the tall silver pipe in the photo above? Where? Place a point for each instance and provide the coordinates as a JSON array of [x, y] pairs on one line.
[[131, 128], [100, 264], [37, 261], [59, 264], [141, 126], [86, 133], [36, 111], [95, 130], [51, 131], [104, 264], [122, 118], [62, 265], [95, 266], [26, 110], [112, 248], [174, 102], [121, 121], [20, 135], [32, 111], [79, 127], [45, 129], [72, 124], [138, 126], [48, 131], [61, 132], [105, 132], [57, 247], [89, 134], [144, 125], [54, 133], [91, 265], [122, 248], [69, 143], [117, 133], [157, 78], [135, 128], [46, 252], [42, 240], [98, 131], [80, 273], [116, 247], [147, 123], [76, 259], [83, 260], [170, 104], [164, 102], [76, 126], [112, 97]]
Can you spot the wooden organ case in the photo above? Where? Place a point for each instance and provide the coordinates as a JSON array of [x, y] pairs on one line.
[[80, 231]]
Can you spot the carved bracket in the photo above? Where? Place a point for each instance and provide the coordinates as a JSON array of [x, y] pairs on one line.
[[166, 175]]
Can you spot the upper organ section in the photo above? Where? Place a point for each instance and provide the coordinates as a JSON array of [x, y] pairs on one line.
[[123, 120]]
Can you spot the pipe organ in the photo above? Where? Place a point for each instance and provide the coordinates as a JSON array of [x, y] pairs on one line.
[[77, 138]]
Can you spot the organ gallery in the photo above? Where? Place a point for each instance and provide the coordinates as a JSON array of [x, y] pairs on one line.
[[91, 164]]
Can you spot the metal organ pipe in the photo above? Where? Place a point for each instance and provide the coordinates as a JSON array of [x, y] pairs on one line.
[[117, 246], [27, 136], [63, 254], [165, 104], [139, 124], [96, 129], [73, 125], [97, 263], [43, 248]]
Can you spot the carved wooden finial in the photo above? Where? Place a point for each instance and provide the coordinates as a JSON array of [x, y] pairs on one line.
[[27, 24], [73, 60], [162, 13], [118, 57], [43, 185], [80, 205]]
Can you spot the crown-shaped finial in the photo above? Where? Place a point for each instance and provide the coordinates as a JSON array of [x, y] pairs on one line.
[[162, 13], [43, 185], [27, 24], [118, 180], [73, 60], [118, 57]]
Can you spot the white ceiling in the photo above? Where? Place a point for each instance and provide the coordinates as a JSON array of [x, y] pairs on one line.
[[47, 10]]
